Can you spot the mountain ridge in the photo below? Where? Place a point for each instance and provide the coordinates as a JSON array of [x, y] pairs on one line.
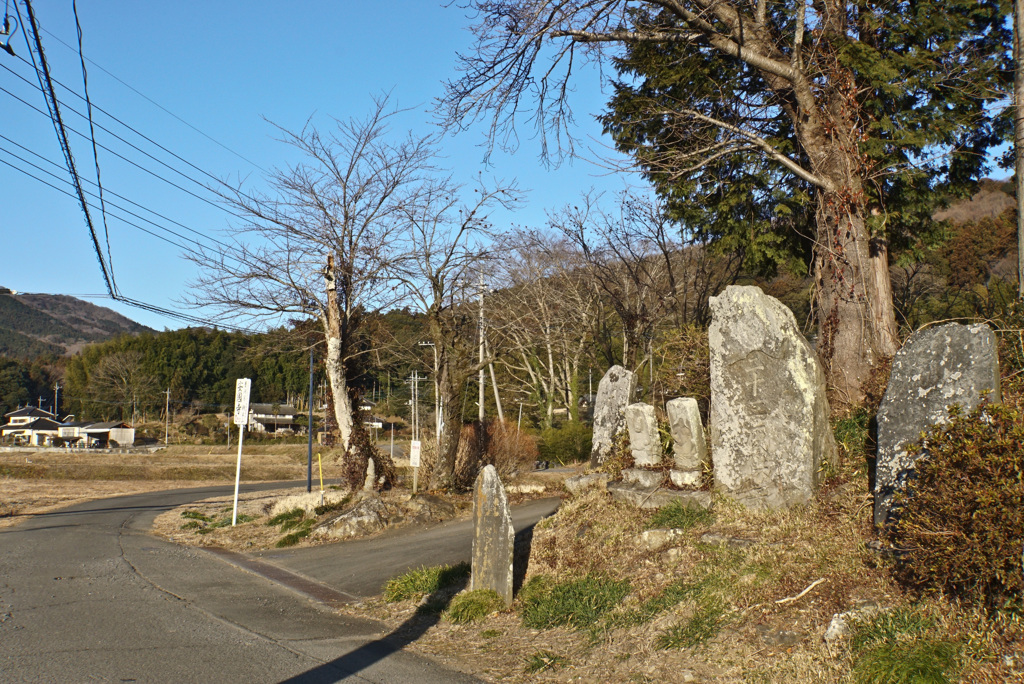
[[36, 324]]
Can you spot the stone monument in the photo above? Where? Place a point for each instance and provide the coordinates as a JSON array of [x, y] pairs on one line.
[[770, 432]]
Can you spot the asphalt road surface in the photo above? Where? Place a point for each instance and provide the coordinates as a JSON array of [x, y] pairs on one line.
[[86, 594]]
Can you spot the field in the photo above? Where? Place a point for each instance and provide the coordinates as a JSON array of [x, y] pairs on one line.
[[35, 482]]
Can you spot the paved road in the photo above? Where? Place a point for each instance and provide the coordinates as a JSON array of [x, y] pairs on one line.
[[86, 594]]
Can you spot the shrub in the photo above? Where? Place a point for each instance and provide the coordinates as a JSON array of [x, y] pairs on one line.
[[509, 449], [423, 581], [473, 605], [577, 603], [568, 443], [959, 522]]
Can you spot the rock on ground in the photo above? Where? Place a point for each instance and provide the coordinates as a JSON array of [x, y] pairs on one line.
[[368, 516]]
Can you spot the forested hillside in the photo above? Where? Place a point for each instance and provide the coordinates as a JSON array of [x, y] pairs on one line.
[[33, 325]]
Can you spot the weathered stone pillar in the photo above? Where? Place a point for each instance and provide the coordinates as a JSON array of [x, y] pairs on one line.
[[937, 367], [644, 445], [493, 536], [689, 449], [614, 393], [770, 432]]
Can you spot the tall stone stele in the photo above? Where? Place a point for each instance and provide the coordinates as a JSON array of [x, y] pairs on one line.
[[937, 367], [614, 393], [770, 433], [493, 536]]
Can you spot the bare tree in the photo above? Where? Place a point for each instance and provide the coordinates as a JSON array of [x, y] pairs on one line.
[[445, 241], [544, 316], [121, 378], [319, 244], [636, 258], [803, 89]]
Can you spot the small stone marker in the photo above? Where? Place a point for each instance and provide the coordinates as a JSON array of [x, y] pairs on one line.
[[371, 475], [937, 367], [644, 441], [769, 416], [689, 449], [493, 536], [614, 393]]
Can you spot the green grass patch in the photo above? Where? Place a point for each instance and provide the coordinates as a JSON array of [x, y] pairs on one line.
[[332, 507], [303, 530], [282, 518], [196, 515], [491, 633], [703, 625], [578, 603], [677, 515], [192, 525], [902, 647], [422, 581], [544, 660], [473, 606]]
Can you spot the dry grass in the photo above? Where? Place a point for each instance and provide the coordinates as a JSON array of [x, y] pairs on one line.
[[743, 603], [40, 481]]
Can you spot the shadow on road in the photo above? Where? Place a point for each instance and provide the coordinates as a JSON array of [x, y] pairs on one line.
[[428, 615], [416, 626]]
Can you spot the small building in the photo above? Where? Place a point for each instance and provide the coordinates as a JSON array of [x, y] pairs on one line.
[[35, 432], [271, 418]]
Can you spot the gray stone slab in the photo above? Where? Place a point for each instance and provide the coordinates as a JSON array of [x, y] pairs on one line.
[[581, 483], [642, 497], [689, 448], [493, 536], [645, 478], [770, 431], [614, 393], [937, 367], [644, 440]]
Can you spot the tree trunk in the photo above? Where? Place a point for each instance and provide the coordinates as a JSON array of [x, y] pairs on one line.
[[334, 360], [856, 319], [443, 475]]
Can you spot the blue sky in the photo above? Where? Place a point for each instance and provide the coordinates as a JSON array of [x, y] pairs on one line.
[[226, 68]]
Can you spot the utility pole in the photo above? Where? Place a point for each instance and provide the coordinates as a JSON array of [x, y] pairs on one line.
[[480, 325], [167, 417], [494, 385], [1018, 134], [56, 400], [309, 429]]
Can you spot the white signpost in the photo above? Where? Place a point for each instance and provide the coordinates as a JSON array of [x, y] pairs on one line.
[[414, 461], [242, 389]]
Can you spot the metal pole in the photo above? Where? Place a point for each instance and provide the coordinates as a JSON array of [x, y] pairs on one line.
[[309, 448], [167, 418]]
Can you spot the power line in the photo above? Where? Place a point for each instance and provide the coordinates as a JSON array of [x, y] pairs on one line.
[[111, 192], [130, 128], [58, 124], [160, 107], [92, 134], [126, 159]]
